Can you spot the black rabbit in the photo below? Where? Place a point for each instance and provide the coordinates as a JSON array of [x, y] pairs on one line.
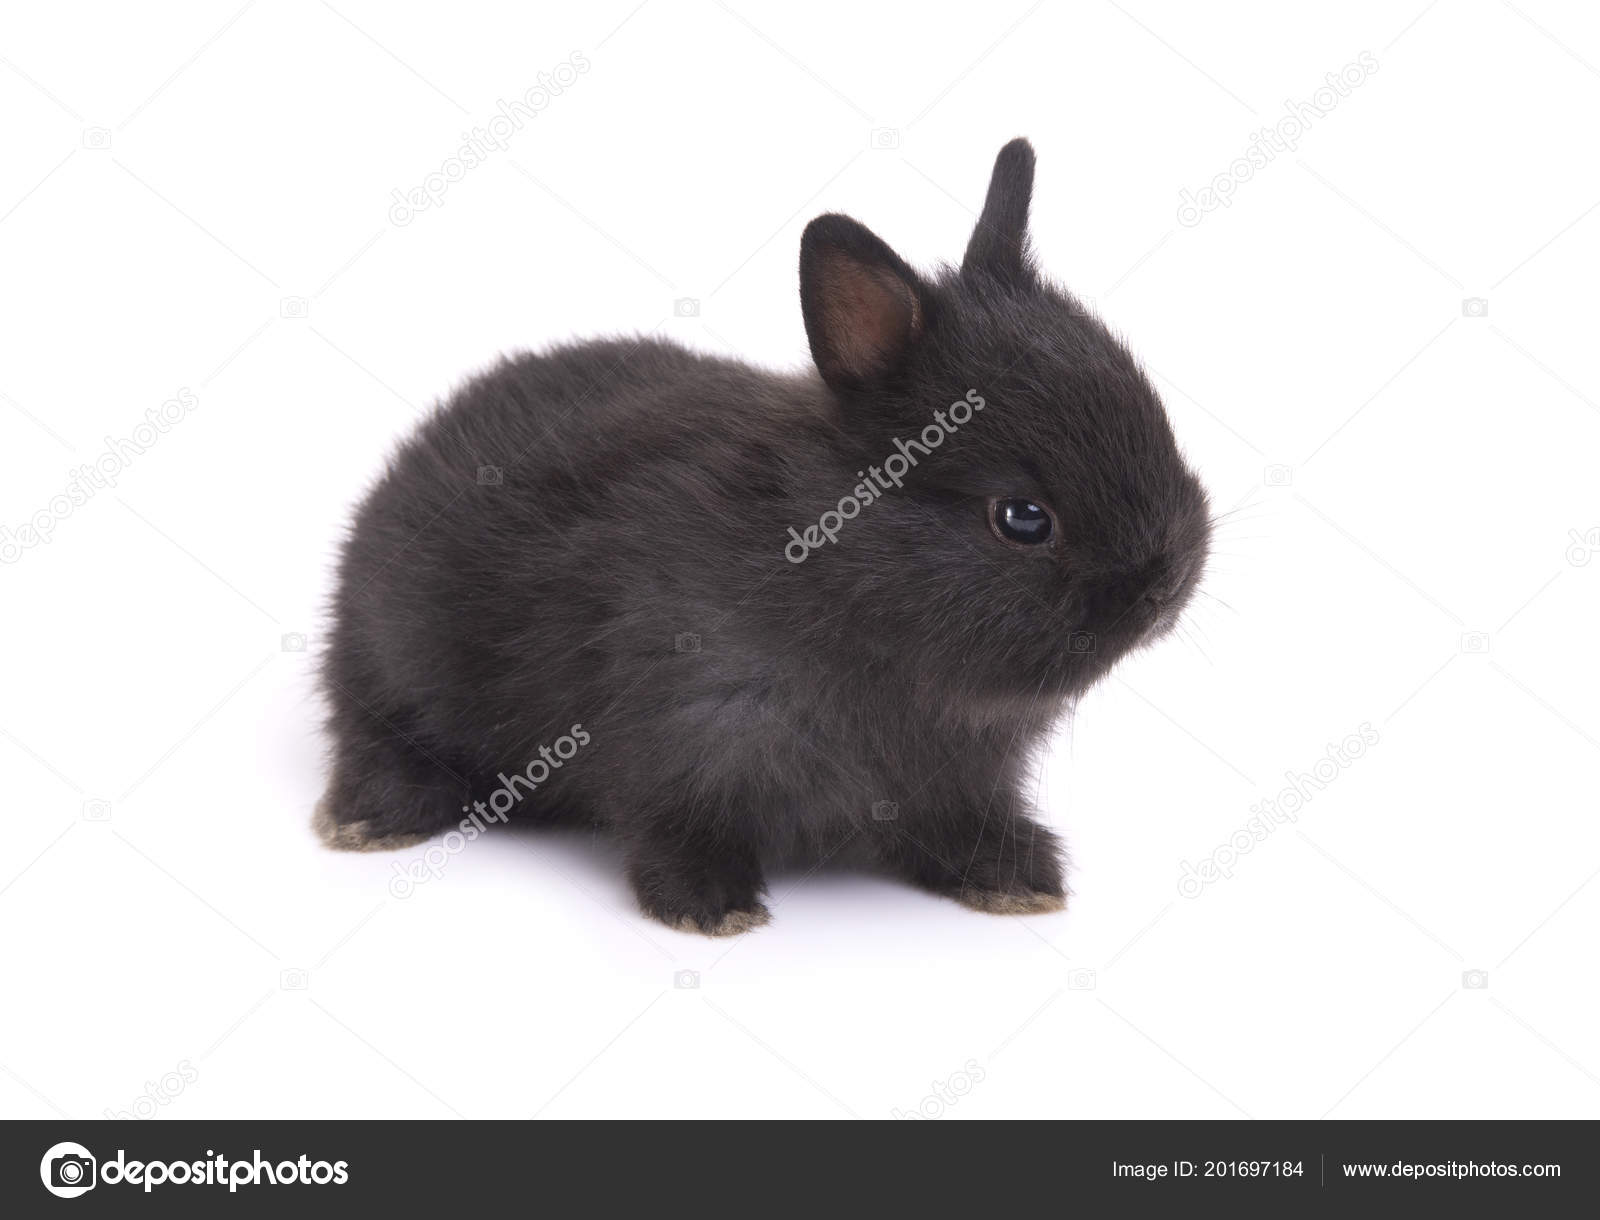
[[732, 616]]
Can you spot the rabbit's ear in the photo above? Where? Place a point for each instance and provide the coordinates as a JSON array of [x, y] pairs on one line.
[[863, 306], [999, 244]]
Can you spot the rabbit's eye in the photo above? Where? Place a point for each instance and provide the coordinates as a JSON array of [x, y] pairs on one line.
[[1021, 522]]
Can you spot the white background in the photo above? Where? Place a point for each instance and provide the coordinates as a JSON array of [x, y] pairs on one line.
[[1416, 507]]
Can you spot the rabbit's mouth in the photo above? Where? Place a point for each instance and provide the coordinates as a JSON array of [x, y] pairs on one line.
[[1126, 621], [1164, 620], [1157, 616], [1087, 655]]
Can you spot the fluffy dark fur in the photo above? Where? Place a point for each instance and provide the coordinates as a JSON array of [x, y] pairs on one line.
[[626, 571]]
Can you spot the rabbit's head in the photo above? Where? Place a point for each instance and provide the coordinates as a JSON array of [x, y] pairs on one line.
[[1045, 529]]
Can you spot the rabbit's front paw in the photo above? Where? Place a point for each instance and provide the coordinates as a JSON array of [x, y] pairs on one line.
[[713, 892], [1014, 869], [1012, 902], [712, 923]]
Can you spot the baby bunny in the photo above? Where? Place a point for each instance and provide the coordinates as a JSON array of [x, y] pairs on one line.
[[731, 616]]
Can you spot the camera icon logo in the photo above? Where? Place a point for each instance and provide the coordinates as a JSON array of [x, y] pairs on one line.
[[293, 980], [1278, 476], [885, 139], [294, 307], [68, 1170], [686, 641], [1475, 307], [1475, 641], [1584, 546], [1475, 980], [1081, 641], [686, 980], [97, 138], [1082, 979], [490, 476], [885, 811], [686, 307], [293, 641], [96, 811]]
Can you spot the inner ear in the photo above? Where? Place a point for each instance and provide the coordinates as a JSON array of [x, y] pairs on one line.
[[863, 305]]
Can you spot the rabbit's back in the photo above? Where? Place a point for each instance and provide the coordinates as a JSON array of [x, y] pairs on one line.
[[559, 526]]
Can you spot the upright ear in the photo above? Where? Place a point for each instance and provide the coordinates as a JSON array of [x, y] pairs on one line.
[[863, 306], [999, 244]]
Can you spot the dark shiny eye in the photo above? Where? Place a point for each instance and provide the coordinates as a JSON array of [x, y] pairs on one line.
[[1021, 521]]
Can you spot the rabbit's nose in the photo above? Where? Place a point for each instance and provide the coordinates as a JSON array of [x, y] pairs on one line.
[[1137, 600], [1121, 604], [1162, 584]]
